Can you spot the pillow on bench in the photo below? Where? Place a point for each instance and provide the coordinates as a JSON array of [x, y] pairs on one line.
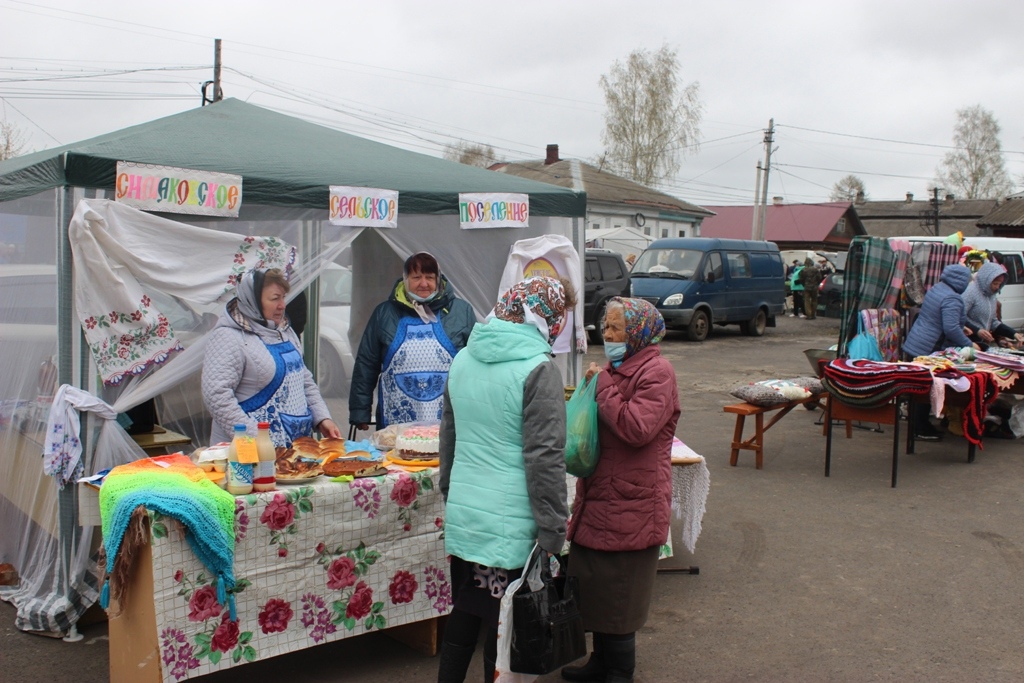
[[773, 392]]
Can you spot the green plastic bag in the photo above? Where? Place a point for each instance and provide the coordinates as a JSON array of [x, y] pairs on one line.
[[581, 445]]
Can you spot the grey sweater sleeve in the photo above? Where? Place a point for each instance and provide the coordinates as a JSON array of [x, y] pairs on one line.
[[544, 453], [446, 438], [223, 366]]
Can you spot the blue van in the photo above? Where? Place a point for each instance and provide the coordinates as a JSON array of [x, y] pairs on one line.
[[697, 281]]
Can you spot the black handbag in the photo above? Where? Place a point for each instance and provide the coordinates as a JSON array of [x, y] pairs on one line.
[[547, 629]]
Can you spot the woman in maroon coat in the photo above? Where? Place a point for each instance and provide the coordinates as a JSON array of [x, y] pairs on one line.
[[620, 518]]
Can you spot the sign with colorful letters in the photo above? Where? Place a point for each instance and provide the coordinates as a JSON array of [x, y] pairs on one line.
[[494, 210], [364, 207], [178, 190]]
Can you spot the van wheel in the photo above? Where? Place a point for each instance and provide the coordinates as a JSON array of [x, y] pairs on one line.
[[699, 327], [755, 326]]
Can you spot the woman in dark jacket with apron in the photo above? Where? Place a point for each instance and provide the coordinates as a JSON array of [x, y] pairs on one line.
[[621, 514], [407, 348]]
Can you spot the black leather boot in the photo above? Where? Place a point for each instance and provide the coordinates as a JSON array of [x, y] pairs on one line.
[[454, 662], [593, 671], [620, 658]]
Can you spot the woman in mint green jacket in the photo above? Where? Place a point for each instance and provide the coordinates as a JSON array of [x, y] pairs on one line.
[[502, 461]]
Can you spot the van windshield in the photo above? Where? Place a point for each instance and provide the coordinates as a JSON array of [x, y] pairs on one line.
[[671, 263]]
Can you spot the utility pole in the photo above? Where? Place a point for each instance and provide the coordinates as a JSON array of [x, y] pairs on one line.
[[218, 94], [935, 209], [768, 139], [757, 198]]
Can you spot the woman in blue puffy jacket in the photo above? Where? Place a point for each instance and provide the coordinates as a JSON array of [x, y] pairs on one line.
[[942, 319], [940, 324]]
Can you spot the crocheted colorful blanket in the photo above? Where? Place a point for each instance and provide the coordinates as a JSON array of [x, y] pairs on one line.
[[173, 486], [871, 384]]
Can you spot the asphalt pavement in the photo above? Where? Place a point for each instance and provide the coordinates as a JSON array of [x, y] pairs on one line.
[[802, 577]]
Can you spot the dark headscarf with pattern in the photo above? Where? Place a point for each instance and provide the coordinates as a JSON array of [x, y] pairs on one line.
[[537, 301], [644, 324]]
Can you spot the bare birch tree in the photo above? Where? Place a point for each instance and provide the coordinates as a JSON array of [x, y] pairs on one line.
[[12, 140], [651, 121], [976, 168], [470, 153], [847, 189]]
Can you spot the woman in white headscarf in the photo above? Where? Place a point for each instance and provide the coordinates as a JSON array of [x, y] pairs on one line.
[[253, 370]]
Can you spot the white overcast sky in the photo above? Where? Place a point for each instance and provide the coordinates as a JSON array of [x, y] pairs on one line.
[[863, 87]]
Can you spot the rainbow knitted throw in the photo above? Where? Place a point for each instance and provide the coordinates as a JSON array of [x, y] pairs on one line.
[[173, 486]]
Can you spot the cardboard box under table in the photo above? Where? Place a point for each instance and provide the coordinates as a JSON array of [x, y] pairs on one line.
[[313, 563]]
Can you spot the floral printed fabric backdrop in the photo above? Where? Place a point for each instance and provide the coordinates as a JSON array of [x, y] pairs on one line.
[[313, 564]]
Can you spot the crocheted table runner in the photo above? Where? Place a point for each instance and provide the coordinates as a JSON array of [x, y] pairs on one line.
[[175, 487]]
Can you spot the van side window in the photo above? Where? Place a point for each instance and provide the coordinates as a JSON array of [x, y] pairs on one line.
[[593, 273], [713, 266], [1014, 269], [760, 265], [739, 264], [610, 268]]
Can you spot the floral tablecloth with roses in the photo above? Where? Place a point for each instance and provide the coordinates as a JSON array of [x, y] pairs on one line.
[[313, 564]]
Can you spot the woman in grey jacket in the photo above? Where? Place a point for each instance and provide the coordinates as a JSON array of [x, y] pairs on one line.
[[980, 307], [253, 370]]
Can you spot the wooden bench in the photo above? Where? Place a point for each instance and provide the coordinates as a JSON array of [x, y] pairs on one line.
[[756, 442]]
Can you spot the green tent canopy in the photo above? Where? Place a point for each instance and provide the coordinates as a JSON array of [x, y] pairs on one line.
[[283, 161]]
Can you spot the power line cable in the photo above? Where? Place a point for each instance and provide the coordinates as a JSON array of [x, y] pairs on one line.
[[30, 120]]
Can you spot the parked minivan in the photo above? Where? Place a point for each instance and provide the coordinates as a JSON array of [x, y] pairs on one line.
[[1012, 294], [699, 281]]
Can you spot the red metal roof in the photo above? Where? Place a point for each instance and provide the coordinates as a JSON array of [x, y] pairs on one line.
[[784, 222]]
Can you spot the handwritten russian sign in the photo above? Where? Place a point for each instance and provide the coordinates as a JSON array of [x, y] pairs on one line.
[[494, 210], [177, 190], [368, 207]]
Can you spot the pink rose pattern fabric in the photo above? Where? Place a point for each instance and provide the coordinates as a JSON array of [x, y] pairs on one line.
[[370, 556]]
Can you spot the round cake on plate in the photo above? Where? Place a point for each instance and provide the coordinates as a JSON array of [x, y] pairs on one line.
[[418, 440]]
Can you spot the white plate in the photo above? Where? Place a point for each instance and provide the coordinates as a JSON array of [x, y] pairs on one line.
[[305, 480]]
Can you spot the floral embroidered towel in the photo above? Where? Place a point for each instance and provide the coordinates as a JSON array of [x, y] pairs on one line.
[[123, 256]]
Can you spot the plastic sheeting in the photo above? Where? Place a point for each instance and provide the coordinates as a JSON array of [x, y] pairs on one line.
[[55, 557]]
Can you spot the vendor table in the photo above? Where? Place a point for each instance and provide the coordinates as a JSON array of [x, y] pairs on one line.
[[314, 563]]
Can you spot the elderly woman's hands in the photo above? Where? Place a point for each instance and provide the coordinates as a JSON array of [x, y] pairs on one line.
[[592, 370], [329, 429]]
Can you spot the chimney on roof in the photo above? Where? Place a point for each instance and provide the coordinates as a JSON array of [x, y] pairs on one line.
[[860, 197], [949, 198], [910, 197], [776, 201], [552, 156]]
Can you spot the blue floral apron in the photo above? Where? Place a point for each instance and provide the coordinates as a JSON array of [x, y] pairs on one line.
[[411, 386], [282, 403]]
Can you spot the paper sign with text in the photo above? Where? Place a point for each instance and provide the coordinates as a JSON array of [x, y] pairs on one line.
[[494, 210], [364, 207], [178, 190]]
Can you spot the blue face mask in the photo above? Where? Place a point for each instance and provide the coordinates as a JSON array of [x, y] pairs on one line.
[[615, 351], [420, 299]]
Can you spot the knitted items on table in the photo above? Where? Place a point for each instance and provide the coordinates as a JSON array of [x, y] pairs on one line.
[[173, 486]]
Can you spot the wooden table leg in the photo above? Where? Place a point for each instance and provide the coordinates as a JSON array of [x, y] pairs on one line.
[[737, 439], [422, 636], [759, 441]]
